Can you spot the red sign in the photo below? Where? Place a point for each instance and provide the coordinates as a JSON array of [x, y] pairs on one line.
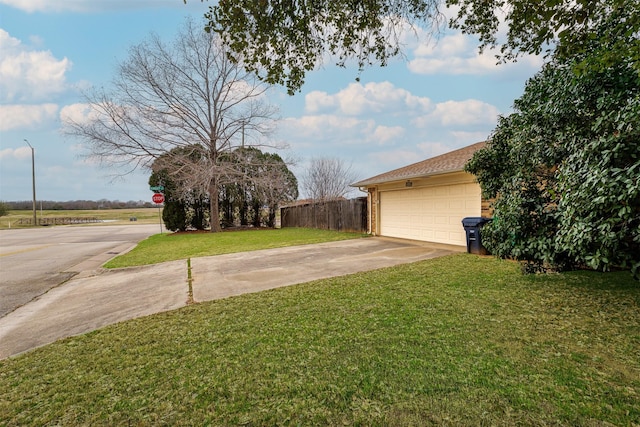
[[158, 198]]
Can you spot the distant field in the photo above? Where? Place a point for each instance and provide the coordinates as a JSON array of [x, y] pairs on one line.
[[110, 216]]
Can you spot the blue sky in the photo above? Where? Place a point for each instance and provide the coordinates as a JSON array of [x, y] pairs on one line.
[[443, 95]]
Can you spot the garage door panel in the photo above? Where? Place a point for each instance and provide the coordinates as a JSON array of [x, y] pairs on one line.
[[427, 235], [453, 220], [457, 205], [429, 214], [441, 220], [456, 190], [470, 204]]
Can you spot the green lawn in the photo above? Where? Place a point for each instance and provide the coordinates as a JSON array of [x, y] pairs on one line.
[[459, 340], [169, 247]]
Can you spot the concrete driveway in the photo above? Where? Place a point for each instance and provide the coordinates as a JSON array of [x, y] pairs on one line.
[[95, 299]]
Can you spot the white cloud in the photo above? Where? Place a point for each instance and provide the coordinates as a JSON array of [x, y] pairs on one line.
[[317, 101], [458, 54], [360, 117], [54, 6], [40, 5], [385, 134], [327, 128], [15, 153], [432, 149], [464, 137], [26, 116], [448, 46], [372, 98], [76, 148], [77, 113], [460, 113], [357, 99], [389, 160], [27, 75]]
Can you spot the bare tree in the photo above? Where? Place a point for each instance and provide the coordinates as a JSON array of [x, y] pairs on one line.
[[277, 184], [185, 94], [328, 178]]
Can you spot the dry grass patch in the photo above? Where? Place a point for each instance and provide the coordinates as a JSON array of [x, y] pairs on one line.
[[110, 216]]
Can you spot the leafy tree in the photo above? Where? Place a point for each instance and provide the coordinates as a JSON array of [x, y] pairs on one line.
[[265, 181], [199, 218], [177, 95], [565, 168], [227, 204], [171, 171], [4, 209], [285, 40], [278, 184], [174, 215], [566, 27]]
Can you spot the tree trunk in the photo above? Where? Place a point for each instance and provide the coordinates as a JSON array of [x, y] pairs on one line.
[[244, 209], [214, 219], [271, 222], [257, 212]]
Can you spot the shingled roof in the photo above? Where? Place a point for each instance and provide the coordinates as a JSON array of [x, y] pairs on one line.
[[452, 161]]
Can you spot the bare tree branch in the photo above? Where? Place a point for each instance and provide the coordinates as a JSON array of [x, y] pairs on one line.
[[328, 178], [179, 95]]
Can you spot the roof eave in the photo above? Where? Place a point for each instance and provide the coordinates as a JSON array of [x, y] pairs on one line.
[[369, 183]]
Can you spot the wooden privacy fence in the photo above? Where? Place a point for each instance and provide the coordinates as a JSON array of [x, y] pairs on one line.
[[340, 215]]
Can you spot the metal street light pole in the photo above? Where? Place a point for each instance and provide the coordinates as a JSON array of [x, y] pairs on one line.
[[33, 181]]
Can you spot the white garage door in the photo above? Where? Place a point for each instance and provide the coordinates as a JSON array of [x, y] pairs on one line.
[[432, 214]]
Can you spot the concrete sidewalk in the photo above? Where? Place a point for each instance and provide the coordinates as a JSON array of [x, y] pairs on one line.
[[88, 302]]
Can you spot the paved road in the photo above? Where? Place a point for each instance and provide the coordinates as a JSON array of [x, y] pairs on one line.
[[34, 260]]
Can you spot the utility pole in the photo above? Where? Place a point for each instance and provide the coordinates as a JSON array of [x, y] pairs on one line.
[[33, 181]]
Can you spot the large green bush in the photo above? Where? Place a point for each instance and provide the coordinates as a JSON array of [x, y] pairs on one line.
[[564, 169], [4, 209], [174, 215]]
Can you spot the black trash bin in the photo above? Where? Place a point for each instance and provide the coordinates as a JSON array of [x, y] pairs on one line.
[[472, 226]]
